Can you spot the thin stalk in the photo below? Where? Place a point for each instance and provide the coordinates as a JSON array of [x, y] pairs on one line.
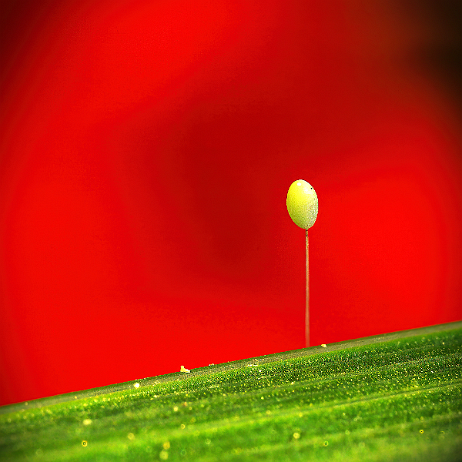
[[307, 314]]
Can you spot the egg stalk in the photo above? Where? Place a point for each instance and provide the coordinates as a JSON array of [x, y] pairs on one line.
[[307, 310]]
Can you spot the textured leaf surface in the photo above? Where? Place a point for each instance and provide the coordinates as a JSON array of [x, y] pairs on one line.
[[395, 397]]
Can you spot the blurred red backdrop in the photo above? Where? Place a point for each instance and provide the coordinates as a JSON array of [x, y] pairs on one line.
[[146, 152]]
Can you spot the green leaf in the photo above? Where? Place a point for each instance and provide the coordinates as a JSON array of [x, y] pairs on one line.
[[395, 397]]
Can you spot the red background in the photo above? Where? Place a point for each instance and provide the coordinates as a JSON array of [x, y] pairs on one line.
[[146, 152]]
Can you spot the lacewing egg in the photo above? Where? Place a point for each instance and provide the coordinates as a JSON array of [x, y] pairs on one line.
[[302, 204]]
